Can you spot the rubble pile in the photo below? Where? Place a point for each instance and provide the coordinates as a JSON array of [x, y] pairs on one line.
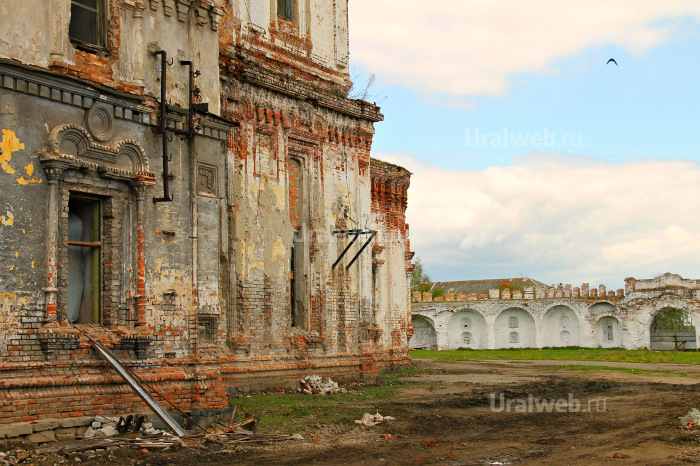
[[104, 426], [318, 385], [690, 421], [370, 420]]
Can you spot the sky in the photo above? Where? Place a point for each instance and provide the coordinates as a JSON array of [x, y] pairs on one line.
[[531, 156]]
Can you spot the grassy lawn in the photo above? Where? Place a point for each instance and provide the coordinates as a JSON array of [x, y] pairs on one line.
[[288, 412], [565, 354]]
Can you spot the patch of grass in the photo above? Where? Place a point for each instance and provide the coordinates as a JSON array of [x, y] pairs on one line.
[[290, 412], [564, 354]]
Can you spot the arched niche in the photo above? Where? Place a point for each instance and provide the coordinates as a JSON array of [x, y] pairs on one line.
[[515, 328], [560, 327], [608, 332], [424, 336], [467, 329]]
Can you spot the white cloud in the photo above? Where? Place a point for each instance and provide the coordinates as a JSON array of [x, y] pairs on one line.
[[555, 217], [472, 47]]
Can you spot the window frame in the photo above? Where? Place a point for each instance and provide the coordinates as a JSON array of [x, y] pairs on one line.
[[298, 265], [288, 10], [98, 272], [100, 13]]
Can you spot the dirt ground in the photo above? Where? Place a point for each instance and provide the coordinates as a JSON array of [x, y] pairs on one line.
[[447, 418]]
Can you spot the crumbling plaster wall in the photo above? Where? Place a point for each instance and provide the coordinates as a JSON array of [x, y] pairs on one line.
[[34, 105], [35, 32], [318, 30], [195, 292], [25, 124], [630, 315], [336, 193], [391, 253]]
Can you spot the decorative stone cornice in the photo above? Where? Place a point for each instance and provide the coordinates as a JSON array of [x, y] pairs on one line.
[[126, 160], [320, 97], [43, 84]]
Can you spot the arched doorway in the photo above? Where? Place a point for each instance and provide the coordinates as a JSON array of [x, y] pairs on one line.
[[608, 332], [467, 329], [672, 329], [424, 336]]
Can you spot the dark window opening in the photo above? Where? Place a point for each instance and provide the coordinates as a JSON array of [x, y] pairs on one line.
[[297, 260], [292, 286], [87, 23], [296, 282], [284, 9], [375, 290], [84, 260]]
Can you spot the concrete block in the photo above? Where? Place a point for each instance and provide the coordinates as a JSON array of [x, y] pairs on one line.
[[106, 419], [68, 433], [45, 424], [158, 424], [76, 422], [109, 431], [42, 437], [16, 430]]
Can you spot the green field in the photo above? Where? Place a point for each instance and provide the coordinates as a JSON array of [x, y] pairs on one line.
[[564, 354]]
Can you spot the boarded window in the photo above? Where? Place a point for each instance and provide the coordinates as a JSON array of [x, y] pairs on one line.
[[87, 22], [513, 338], [284, 9], [84, 260]]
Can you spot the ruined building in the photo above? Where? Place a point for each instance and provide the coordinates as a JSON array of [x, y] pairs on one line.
[[187, 181], [659, 313]]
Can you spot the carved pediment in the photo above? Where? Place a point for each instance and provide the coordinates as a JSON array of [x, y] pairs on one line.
[[71, 146]]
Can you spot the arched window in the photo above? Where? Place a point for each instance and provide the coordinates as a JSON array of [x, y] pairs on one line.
[[609, 333], [564, 321], [565, 337], [466, 338], [513, 338], [513, 322]]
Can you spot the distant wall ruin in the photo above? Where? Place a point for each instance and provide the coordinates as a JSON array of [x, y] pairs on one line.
[[552, 316]]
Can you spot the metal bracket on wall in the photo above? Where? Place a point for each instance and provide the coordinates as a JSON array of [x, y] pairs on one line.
[[357, 233], [163, 127]]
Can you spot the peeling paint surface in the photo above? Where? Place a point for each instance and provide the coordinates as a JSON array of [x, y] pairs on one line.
[[8, 145]]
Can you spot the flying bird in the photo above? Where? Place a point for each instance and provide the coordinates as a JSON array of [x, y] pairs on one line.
[[612, 60]]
